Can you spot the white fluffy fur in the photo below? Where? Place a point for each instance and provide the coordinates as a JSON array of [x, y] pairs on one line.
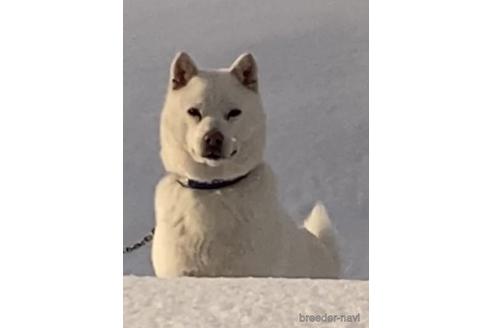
[[240, 230]]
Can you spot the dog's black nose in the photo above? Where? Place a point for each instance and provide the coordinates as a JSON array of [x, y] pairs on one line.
[[213, 141], [213, 138]]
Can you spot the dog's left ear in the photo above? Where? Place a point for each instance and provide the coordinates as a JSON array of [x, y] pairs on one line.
[[246, 71]]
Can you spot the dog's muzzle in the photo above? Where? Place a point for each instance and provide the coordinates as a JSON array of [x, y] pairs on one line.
[[213, 144]]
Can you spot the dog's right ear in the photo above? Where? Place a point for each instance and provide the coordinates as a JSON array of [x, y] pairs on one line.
[[182, 70]]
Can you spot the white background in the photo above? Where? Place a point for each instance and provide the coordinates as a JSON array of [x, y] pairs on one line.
[[61, 165]]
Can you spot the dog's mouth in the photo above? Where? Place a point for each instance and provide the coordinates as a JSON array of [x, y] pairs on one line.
[[212, 153], [213, 158], [217, 155]]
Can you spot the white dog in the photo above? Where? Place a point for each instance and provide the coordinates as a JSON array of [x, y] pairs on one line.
[[217, 212]]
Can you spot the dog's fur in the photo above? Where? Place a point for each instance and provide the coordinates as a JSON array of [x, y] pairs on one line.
[[239, 230]]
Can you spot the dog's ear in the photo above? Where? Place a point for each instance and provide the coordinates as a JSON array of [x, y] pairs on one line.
[[182, 70], [246, 71]]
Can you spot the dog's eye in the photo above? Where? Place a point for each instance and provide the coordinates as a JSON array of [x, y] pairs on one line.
[[233, 113], [195, 113]]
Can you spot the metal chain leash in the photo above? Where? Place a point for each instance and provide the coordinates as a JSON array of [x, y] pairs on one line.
[[146, 239]]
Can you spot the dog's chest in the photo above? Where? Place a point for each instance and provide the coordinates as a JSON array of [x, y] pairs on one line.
[[208, 232]]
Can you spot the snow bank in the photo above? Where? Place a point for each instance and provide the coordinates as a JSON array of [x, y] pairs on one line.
[[244, 302]]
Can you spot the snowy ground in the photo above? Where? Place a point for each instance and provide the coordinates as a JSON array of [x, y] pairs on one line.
[[249, 302], [313, 59]]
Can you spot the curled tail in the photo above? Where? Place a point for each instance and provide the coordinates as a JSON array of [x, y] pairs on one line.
[[319, 224]]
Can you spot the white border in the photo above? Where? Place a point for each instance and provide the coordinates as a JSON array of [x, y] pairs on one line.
[[61, 168], [430, 163]]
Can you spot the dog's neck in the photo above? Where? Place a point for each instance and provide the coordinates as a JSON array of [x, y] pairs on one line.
[[210, 185]]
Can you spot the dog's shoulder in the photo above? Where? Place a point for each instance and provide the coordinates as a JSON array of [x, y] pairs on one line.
[[168, 195]]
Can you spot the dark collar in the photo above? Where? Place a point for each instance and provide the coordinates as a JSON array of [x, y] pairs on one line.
[[214, 184]]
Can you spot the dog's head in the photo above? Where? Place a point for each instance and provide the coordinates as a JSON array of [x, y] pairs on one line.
[[213, 124]]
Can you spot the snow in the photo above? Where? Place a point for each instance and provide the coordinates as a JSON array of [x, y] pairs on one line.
[[241, 302], [313, 65]]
